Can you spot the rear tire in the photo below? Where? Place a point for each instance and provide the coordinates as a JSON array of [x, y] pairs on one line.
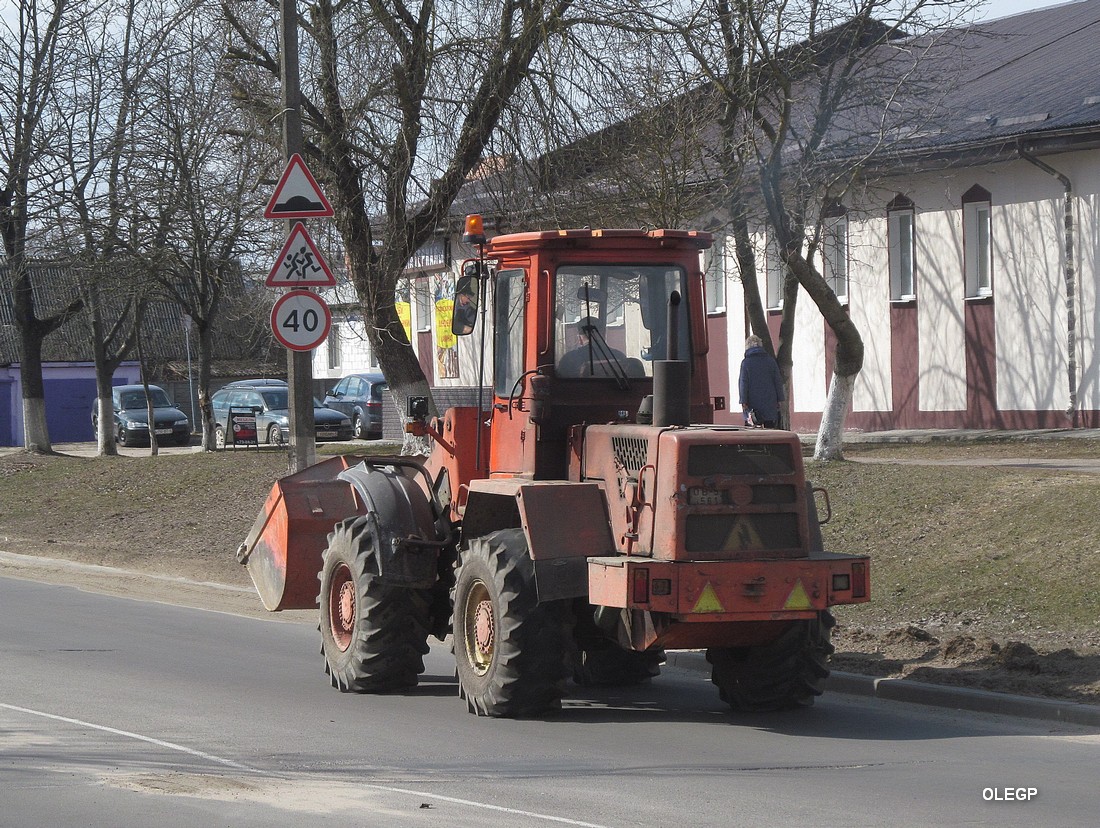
[[274, 435], [787, 673], [601, 662], [512, 653], [219, 437], [373, 636], [359, 427]]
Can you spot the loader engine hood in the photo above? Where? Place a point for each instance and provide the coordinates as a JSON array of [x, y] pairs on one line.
[[702, 493]]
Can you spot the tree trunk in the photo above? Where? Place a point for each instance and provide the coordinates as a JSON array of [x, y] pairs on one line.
[[206, 357], [36, 434], [830, 436]]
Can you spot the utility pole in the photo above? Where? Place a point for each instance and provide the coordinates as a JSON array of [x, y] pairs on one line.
[[303, 448]]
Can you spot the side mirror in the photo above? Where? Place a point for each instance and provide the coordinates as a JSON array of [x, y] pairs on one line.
[[467, 291]]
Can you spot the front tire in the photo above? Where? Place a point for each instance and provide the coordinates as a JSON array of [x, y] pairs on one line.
[[219, 437], [512, 653], [787, 673], [373, 635]]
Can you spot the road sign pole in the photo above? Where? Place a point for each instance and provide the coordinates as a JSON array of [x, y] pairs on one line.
[[303, 449]]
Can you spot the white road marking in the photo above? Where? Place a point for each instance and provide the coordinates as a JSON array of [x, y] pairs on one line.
[[484, 806], [129, 735], [230, 763]]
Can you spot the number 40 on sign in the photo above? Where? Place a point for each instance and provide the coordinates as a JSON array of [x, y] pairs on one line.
[[300, 320]]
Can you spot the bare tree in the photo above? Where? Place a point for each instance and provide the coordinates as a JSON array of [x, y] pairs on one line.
[[98, 223], [402, 104], [208, 169], [32, 52], [794, 81]]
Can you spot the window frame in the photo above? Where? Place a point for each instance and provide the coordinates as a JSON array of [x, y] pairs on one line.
[[835, 228], [901, 209], [975, 202], [715, 277], [335, 347], [773, 274]]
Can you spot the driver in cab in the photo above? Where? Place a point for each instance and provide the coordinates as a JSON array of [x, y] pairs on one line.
[[592, 356]]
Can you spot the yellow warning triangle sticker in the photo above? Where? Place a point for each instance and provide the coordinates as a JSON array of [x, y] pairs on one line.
[[708, 601], [798, 599]]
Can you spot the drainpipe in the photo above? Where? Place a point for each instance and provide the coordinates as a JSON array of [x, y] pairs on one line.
[[1070, 277]]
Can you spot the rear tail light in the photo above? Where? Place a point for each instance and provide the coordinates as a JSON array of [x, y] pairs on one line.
[[641, 586], [859, 580]]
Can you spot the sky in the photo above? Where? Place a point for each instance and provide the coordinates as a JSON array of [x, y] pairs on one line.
[[1003, 8]]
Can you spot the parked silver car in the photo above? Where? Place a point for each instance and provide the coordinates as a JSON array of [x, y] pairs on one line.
[[271, 405]]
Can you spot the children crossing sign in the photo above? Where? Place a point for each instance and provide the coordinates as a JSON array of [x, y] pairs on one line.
[[300, 264]]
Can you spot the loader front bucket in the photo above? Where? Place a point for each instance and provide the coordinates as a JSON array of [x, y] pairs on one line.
[[283, 549]]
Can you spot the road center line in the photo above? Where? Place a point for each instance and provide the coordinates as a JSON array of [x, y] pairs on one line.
[[484, 806], [129, 735]]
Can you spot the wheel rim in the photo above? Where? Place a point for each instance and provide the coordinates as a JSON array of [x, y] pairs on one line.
[[360, 432], [274, 436], [341, 606], [219, 437], [480, 628]]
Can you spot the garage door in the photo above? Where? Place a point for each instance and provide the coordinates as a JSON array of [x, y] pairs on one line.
[[6, 403], [69, 409]]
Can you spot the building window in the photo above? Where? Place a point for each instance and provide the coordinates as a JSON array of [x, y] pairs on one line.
[[834, 251], [425, 307], [901, 233], [773, 274], [334, 356], [714, 264], [977, 243]]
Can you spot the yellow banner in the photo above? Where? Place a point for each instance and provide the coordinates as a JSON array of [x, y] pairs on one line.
[[404, 313], [444, 310]]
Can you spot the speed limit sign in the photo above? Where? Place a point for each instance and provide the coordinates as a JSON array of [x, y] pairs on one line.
[[300, 320]]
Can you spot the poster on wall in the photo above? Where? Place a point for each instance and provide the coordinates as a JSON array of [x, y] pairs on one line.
[[404, 313], [446, 343]]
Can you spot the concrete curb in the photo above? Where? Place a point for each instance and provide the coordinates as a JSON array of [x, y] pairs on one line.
[[933, 695]]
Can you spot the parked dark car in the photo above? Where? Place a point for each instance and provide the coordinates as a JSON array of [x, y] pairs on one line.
[[360, 397], [271, 405], [132, 417]]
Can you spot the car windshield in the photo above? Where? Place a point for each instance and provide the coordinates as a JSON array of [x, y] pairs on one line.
[[136, 399], [276, 399]]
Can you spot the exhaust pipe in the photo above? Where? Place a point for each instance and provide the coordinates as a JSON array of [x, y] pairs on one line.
[[672, 376]]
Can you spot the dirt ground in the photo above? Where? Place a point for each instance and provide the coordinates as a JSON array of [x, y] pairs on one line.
[[179, 559]]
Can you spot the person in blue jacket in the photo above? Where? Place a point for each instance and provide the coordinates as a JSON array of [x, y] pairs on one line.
[[760, 385]]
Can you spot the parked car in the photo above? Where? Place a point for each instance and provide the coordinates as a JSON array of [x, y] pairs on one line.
[[360, 397], [271, 404], [255, 383], [131, 416]]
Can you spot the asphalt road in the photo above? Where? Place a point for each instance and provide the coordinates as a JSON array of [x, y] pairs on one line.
[[142, 713]]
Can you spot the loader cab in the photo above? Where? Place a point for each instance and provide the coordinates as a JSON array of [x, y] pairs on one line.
[[580, 318]]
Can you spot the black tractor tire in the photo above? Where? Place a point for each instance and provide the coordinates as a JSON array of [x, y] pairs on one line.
[[600, 662], [785, 674], [374, 636], [513, 654]]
